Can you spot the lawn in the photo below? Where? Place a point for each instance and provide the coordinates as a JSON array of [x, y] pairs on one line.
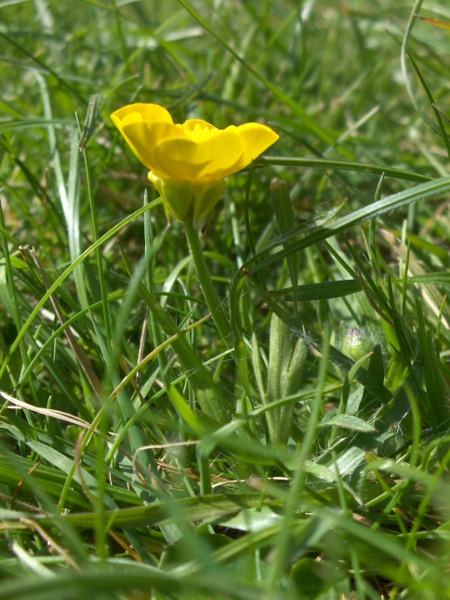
[[227, 392]]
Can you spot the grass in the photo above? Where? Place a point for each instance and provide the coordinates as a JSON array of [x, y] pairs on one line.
[[304, 454]]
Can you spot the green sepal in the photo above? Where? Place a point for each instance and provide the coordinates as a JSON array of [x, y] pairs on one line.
[[183, 199]]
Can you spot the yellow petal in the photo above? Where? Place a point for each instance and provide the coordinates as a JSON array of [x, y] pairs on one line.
[[213, 156], [177, 158], [142, 138], [140, 112], [142, 125], [256, 138]]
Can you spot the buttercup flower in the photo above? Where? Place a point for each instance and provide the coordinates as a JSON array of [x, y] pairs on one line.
[[188, 162]]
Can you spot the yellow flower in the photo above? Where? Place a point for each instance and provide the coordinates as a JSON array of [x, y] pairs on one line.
[[188, 162]]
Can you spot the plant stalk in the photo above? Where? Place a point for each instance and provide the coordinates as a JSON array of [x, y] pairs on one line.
[[216, 307]]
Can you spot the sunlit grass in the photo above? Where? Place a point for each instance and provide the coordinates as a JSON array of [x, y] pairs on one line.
[[303, 455]]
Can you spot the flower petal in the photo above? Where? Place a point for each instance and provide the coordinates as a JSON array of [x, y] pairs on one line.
[[142, 137], [256, 138], [213, 156], [142, 125], [177, 158], [140, 112]]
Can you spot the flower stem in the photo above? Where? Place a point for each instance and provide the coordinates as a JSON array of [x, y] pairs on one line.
[[216, 307]]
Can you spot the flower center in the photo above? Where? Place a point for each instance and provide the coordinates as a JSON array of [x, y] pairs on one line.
[[198, 133]]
